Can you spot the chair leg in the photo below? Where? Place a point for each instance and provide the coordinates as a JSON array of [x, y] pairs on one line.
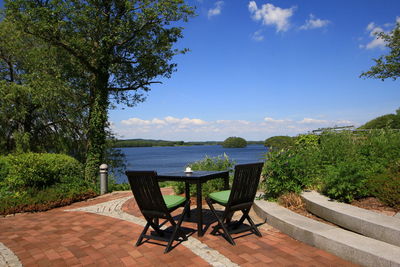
[[177, 230], [253, 226], [139, 241], [220, 222]]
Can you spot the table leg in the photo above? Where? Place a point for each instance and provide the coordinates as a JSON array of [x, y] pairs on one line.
[[187, 194], [199, 211]]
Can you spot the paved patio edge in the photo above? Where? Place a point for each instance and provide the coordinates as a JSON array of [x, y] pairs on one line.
[[8, 258], [362, 221], [347, 245]]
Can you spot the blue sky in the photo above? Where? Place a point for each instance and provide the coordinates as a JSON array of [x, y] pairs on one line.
[[263, 68]]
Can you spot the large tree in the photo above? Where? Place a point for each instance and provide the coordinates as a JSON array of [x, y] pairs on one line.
[[387, 66], [40, 110], [120, 46]]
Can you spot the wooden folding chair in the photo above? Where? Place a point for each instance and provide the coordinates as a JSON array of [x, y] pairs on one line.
[[155, 206], [240, 197]]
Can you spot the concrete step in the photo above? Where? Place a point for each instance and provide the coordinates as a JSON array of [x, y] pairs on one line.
[[362, 221], [345, 244]]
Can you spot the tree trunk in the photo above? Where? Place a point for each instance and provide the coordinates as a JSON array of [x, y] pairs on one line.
[[98, 116]]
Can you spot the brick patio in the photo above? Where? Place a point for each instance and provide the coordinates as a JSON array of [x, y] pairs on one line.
[[76, 238]]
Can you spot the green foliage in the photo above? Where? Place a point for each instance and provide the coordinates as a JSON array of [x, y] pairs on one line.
[[386, 186], [234, 142], [33, 199], [388, 121], [38, 171], [344, 166], [117, 49], [40, 108], [219, 163], [290, 170], [307, 140], [4, 168], [279, 142], [387, 66], [345, 181], [36, 182]]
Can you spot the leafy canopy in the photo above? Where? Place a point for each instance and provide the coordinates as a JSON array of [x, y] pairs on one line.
[[279, 142], [387, 66]]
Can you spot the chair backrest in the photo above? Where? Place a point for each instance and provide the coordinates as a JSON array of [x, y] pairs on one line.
[[145, 188], [245, 184]]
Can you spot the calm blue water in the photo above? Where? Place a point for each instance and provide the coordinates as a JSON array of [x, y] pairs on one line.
[[171, 159]]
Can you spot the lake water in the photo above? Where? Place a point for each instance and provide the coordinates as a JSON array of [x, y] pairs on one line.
[[171, 159]]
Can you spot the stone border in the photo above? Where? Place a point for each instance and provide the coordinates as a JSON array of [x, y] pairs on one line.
[[368, 223], [347, 245], [113, 209], [8, 258]]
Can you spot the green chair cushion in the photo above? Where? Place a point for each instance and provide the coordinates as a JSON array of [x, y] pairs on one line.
[[221, 197], [173, 201]]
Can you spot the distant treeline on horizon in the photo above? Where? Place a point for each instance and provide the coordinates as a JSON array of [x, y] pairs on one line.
[[151, 142]]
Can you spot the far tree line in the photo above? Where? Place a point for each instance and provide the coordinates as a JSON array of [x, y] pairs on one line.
[[388, 121]]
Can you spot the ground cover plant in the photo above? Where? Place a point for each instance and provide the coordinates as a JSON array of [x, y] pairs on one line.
[[219, 163], [344, 166], [38, 182]]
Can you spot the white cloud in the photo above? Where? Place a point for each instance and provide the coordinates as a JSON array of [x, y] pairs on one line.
[[271, 15], [216, 10], [376, 41], [268, 119], [312, 121], [257, 36], [314, 23], [172, 128]]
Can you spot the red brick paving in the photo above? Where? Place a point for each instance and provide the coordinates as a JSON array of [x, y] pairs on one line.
[[59, 238]]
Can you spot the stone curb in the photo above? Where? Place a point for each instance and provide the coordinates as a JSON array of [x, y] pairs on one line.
[[365, 222], [347, 245]]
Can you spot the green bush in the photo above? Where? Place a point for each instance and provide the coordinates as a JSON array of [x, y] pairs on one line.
[[290, 170], [279, 142], [344, 166], [37, 182], [34, 199], [386, 186], [345, 181], [219, 163], [234, 142], [33, 170], [4, 168]]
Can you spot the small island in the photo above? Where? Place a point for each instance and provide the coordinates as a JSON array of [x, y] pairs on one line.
[[234, 142]]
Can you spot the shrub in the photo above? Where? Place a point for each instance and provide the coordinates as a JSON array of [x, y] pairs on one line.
[[219, 163], [234, 142], [4, 168], [386, 186], [344, 166], [32, 170], [41, 200], [290, 170], [37, 182], [307, 140], [345, 181], [279, 142]]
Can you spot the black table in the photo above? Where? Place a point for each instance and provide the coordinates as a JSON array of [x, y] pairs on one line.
[[198, 178]]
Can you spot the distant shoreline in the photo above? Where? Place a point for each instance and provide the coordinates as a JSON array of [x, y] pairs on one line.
[[158, 143]]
